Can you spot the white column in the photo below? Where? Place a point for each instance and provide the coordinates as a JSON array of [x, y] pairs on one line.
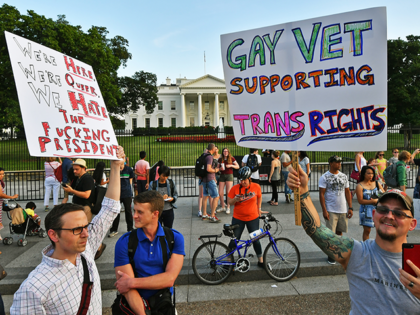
[[200, 111], [227, 110], [182, 122], [216, 109]]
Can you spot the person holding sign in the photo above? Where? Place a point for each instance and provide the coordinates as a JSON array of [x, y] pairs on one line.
[[377, 283], [67, 280]]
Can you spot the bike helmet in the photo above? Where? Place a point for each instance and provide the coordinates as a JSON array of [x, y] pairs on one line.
[[244, 173]]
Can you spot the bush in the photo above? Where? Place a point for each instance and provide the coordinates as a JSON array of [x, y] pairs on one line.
[[160, 131]]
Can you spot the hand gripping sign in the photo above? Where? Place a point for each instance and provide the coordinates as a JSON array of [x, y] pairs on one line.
[[62, 107], [315, 85]]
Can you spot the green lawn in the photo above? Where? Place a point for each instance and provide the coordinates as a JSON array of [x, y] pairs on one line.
[[14, 155]]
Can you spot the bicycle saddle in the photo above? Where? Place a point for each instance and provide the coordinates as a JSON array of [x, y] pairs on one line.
[[230, 227]]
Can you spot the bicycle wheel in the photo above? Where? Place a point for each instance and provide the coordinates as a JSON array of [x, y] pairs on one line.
[[282, 269], [204, 263]]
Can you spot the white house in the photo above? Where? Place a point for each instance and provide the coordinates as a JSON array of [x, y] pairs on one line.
[[198, 102]]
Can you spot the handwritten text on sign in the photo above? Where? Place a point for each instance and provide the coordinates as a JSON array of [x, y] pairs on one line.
[[309, 84], [61, 103]]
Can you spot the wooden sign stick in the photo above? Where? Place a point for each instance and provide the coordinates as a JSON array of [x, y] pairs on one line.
[[298, 213]]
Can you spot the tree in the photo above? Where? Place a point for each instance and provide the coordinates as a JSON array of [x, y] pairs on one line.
[[404, 84], [404, 81], [105, 55]]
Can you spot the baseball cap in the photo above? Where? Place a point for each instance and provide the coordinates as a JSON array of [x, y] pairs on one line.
[[334, 158], [80, 162], [402, 195]]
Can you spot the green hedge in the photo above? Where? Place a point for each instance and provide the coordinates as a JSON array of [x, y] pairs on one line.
[[206, 130]]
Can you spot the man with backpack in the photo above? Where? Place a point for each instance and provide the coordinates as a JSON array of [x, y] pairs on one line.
[[253, 161], [395, 175], [206, 170], [148, 262]]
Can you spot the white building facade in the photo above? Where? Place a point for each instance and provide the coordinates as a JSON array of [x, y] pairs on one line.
[[198, 102]]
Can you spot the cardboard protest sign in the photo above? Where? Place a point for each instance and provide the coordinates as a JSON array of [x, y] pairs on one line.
[[316, 85], [62, 107]]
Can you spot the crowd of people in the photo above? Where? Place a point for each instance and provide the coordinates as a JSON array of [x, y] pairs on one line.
[[149, 257]]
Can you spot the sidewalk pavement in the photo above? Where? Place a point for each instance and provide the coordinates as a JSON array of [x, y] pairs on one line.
[[20, 261]]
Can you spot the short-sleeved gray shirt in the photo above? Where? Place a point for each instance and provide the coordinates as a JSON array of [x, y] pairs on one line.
[[374, 283]]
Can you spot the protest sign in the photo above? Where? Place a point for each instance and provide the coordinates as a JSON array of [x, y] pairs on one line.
[[316, 85], [62, 107]]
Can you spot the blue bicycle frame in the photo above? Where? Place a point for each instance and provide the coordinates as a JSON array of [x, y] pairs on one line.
[[241, 244]]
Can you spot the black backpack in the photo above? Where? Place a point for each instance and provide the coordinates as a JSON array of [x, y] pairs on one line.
[[252, 163], [201, 166], [390, 175]]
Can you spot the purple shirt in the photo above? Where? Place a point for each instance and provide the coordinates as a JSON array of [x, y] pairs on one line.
[[210, 176]]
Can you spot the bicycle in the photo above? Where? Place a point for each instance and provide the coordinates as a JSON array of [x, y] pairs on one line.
[[213, 262]]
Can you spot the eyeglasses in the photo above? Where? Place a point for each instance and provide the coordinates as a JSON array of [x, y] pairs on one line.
[[77, 230], [397, 213]]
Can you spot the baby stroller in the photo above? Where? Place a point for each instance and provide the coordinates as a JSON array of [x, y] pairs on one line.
[[20, 225]]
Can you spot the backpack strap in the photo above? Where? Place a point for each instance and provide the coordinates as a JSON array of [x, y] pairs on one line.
[[171, 184], [133, 243]]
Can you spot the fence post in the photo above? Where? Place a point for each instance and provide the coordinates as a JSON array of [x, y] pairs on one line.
[[150, 152]]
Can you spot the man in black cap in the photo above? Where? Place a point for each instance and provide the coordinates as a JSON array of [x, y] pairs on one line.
[[333, 193], [377, 283]]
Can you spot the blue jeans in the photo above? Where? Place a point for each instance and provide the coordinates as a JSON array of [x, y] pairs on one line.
[[416, 193], [251, 226], [287, 190]]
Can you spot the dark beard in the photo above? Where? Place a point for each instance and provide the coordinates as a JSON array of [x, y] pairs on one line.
[[386, 237]]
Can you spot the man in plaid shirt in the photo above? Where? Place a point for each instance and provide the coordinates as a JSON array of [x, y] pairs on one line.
[[55, 286]]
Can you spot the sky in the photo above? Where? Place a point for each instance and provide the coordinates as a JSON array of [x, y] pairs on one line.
[[169, 38]]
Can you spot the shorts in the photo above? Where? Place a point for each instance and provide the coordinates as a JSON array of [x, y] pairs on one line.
[[210, 189], [226, 178], [66, 194], [337, 222], [366, 216]]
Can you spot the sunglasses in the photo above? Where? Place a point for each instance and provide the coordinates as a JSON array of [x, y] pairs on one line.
[[396, 152], [397, 213], [381, 155], [77, 230]]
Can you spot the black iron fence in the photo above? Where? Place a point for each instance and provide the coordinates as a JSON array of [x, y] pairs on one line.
[[30, 184], [182, 146]]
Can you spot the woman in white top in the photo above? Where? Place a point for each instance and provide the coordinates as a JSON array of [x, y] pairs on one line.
[[360, 161], [51, 182]]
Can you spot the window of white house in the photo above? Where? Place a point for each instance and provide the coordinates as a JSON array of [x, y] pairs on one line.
[[191, 105], [173, 105], [133, 123], [222, 105], [206, 105], [173, 122], [160, 122], [160, 105], [147, 122]]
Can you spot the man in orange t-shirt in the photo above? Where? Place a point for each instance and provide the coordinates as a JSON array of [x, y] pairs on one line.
[[246, 198]]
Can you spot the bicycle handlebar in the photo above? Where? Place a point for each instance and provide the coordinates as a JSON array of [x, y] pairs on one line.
[[269, 217]]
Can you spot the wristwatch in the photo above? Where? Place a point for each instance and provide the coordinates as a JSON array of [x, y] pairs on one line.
[[350, 208]]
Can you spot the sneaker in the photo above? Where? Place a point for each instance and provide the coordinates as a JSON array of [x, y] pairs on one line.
[[261, 265], [205, 217], [290, 197], [99, 252], [331, 261], [227, 210], [287, 199], [220, 209], [199, 214], [47, 209], [214, 219], [113, 233]]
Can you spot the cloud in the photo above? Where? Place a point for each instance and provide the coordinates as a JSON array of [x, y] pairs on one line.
[[162, 40]]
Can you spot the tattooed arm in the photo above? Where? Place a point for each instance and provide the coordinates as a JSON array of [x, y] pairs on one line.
[[338, 248]]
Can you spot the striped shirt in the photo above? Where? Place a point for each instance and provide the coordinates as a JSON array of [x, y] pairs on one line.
[[55, 286]]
